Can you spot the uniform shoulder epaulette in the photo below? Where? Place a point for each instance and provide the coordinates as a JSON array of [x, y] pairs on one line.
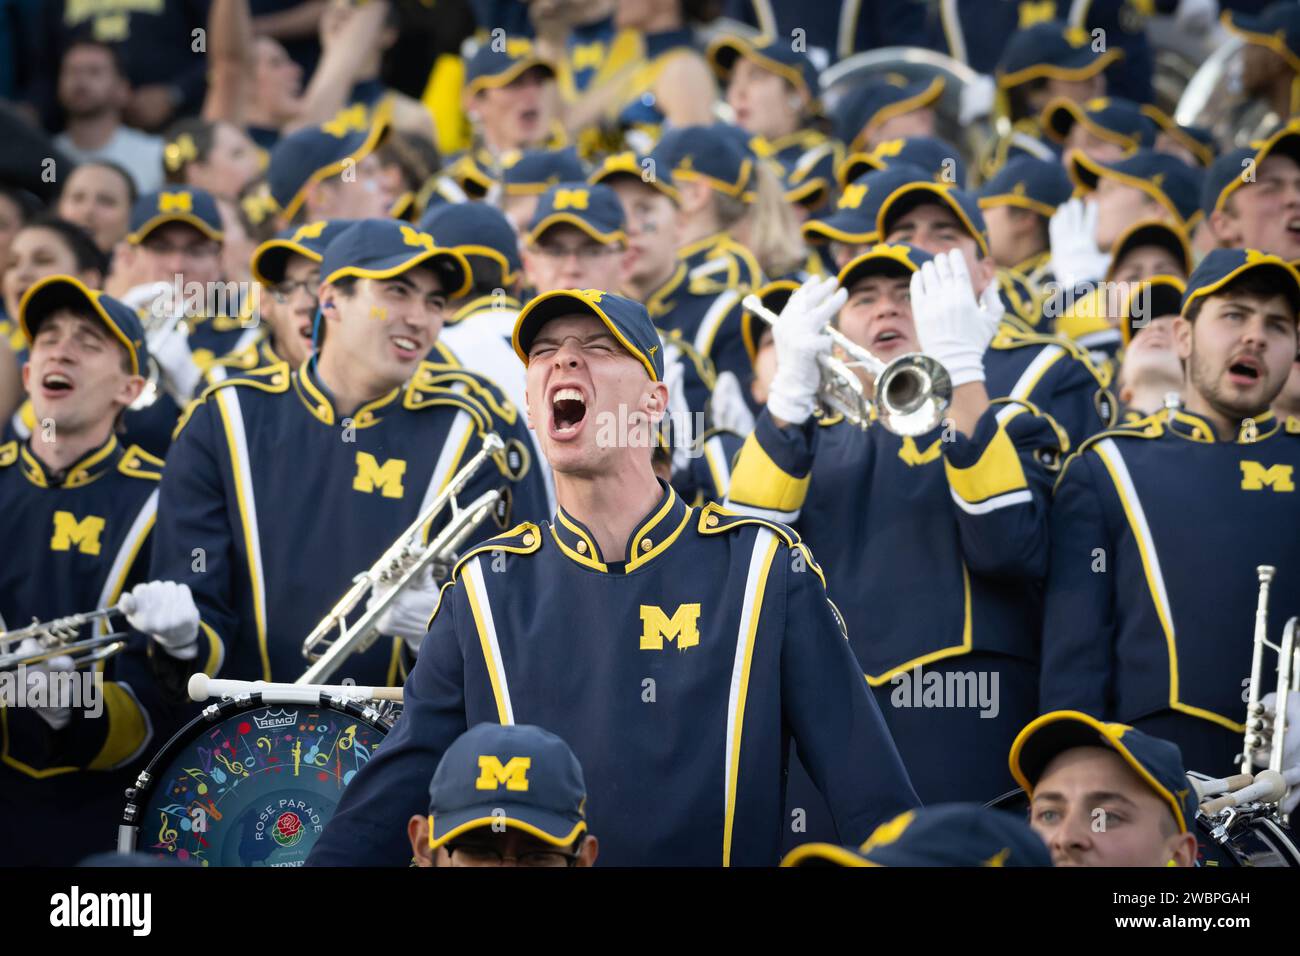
[[431, 376], [1153, 426], [715, 519], [8, 453], [245, 359], [1011, 337], [272, 378], [138, 463], [1011, 407], [523, 538]]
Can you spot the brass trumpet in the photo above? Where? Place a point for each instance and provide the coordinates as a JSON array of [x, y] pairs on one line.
[[911, 393], [58, 638], [396, 568]]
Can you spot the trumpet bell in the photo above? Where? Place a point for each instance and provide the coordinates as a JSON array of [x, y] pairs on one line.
[[912, 394]]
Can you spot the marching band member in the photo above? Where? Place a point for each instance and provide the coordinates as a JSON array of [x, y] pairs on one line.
[[82, 504], [576, 239], [1049, 372], [1144, 516], [873, 113], [1018, 204], [1105, 794], [1149, 369], [694, 641], [938, 542], [379, 431], [525, 176], [1251, 198], [545, 825], [1105, 129]]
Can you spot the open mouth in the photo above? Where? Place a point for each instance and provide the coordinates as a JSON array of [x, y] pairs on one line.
[[1245, 370], [568, 410], [56, 382], [529, 116], [1293, 228], [406, 347]]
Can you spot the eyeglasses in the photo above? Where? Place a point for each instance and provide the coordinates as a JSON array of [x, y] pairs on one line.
[[283, 291], [585, 253], [477, 854]]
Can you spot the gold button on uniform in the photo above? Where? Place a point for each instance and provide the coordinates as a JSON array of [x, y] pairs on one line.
[[646, 544], [528, 539], [582, 547], [712, 521]]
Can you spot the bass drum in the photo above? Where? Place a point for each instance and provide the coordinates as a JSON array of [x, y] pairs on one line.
[[250, 782], [1255, 839]]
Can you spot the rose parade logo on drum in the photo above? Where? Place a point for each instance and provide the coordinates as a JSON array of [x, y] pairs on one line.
[[285, 822]]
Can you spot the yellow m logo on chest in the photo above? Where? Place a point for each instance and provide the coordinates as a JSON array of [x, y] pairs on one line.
[[386, 477], [1254, 477], [683, 627], [913, 456], [68, 531], [491, 773]]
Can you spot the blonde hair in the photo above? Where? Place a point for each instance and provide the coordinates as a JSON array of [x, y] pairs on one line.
[[774, 235]]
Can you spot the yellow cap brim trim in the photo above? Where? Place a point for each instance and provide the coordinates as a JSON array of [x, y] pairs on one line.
[[481, 822], [1179, 235], [487, 252], [737, 189], [592, 309], [825, 851], [942, 193], [92, 299], [609, 172], [1269, 40], [1110, 737], [925, 98], [139, 236], [1167, 124], [743, 47], [879, 253], [1155, 192], [807, 189], [1268, 261], [495, 81], [854, 163], [1011, 199], [748, 320], [1125, 325], [406, 266], [286, 244], [815, 231], [378, 130], [1053, 72], [1081, 117], [568, 218]]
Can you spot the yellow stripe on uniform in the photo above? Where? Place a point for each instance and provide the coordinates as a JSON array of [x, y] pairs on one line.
[[758, 481], [760, 563], [996, 480], [487, 635], [128, 728], [876, 680]]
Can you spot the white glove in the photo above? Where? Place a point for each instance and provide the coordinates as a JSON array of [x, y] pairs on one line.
[[977, 98], [55, 713], [1073, 232], [727, 406], [800, 338], [170, 348], [679, 411], [1291, 751], [165, 611], [954, 328], [408, 616], [1197, 16]]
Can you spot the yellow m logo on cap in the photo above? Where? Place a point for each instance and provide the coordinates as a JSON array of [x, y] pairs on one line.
[[310, 231], [345, 121], [491, 773], [1255, 477], [68, 531], [413, 238], [683, 627], [852, 196], [587, 56], [571, 199], [891, 147], [518, 47], [175, 202]]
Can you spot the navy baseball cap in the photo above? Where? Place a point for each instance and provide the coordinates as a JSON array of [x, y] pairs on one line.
[[593, 209], [1152, 232], [188, 204], [270, 259], [490, 68], [1158, 762], [1196, 139], [1150, 299], [384, 248], [941, 159], [1034, 184], [1223, 266], [809, 179], [65, 292], [643, 168], [854, 217], [897, 260], [946, 834], [1112, 119], [316, 153], [772, 54], [774, 296], [626, 319], [1277, 27], [865, 106], [1166, 179], [530, 172], [1051, 50], [1284, 140], [962, 203], [476, 229], [516, 775], [708, 154], [1223, 177]]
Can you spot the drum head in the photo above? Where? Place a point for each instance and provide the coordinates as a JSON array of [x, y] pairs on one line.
[[251, 784]]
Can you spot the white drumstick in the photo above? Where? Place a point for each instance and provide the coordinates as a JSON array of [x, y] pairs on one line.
[[1210, 788], [1269, 787], [202, 687]]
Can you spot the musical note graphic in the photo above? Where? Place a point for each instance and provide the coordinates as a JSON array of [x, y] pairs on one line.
[[197, 775], [234, 767]]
